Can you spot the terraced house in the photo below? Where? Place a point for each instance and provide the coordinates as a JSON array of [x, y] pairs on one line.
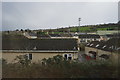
[[85, 38], [104, 49], [38, 49]]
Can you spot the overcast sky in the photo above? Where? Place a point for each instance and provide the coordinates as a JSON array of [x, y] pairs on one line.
[[45, 15]]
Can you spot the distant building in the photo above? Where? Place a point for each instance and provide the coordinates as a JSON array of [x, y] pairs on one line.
[[104, 32], [65, 35], [54, 35], [38, 49], [85, 38], [30, 35], [42, 36], [109, 36]]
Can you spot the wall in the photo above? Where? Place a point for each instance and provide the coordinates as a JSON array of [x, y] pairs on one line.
[[113, 56], [35, 56], [87, 49]]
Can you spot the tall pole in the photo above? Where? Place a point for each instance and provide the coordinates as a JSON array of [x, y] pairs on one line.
[[79, 19]]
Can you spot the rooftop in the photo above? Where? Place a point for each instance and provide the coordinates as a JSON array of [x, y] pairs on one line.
[[89, 36], [110, 45], [19, 42]]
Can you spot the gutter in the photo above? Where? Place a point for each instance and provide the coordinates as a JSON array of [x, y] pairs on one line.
[[40, 51]]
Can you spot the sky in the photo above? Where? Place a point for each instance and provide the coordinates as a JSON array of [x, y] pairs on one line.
[[119, 11], [49, 15]]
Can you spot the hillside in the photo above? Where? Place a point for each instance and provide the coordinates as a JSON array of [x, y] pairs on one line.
[[87, 28], [83, 29]]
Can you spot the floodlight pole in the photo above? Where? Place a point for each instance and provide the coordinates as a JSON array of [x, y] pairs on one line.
[[79, 19]]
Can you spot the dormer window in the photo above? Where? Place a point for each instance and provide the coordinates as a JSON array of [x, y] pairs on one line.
[[88, 44], [91, 44], [104, 46], [35, 48], [74, 48], [112, 47], [97, 45]]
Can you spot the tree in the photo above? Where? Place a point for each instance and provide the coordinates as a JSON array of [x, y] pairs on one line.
[[17, 29], [21, 30], [8, 32], [56, 60]]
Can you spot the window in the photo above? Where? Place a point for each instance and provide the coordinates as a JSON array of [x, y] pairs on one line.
[[91, 44], [30, 56], [97, 45], [88, 43], [88, 40], [68, 56], [65, 56], [104, 46], [74, 48]]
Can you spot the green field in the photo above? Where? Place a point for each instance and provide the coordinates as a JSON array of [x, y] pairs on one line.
[[94, 28], [82, 29]]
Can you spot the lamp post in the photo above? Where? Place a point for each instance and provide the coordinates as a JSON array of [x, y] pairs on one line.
[[79, 19]]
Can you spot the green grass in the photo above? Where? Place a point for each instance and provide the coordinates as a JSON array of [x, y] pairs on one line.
[[102, 28], [93, 28], [85, 29], [82, 29]]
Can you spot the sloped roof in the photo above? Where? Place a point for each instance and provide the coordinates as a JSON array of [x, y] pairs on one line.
[[112, 35], [55, 35], [43, 36], [89, 36], [32, 34], [22, 43], [110, 45], [65, 35]]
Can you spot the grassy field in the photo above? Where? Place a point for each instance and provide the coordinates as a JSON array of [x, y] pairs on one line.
[[94, 28], [81, 29]]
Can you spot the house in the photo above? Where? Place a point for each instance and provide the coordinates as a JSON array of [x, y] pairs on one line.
[[104, 32], [85, 38], [104, 49], [38, 49], [43, 36], [54, 35], [30, 35], [61, 35], [66, 35], [109, 36]]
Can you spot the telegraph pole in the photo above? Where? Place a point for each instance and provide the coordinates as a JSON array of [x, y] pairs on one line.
[[79, 19]]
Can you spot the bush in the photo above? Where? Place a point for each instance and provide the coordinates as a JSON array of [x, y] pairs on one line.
[[59, 67], [23, 60]]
